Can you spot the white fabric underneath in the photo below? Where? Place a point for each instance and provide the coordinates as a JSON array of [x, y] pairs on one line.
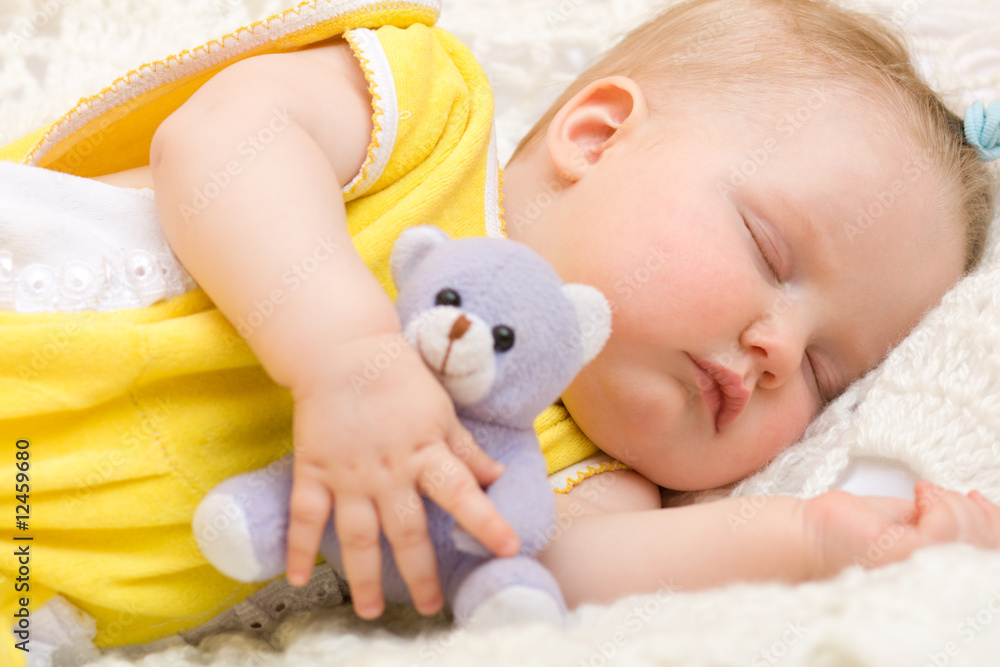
[[71, 244], [877, 477]]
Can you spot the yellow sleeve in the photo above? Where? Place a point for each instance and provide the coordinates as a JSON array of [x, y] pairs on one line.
[[432, 157]]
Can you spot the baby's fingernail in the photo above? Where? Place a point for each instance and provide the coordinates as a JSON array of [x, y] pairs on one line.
[[499, 467], [370, 611], [296, 579], [432, 607]]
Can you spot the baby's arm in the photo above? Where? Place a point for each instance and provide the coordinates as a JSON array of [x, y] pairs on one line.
[[601, 555], [266, 145]]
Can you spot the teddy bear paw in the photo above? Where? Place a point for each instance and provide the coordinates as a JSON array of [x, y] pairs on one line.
[[222, 532], [517, 604]]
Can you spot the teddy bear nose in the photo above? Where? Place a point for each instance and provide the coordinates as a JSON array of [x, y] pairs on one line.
[[459, 328]]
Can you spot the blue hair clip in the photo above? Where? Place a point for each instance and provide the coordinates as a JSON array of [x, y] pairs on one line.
[[982, 129]]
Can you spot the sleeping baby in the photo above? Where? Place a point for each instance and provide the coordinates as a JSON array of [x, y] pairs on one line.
[[713, 175]]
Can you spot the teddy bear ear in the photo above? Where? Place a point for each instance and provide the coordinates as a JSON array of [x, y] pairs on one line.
[[411, 248], [593, 317]]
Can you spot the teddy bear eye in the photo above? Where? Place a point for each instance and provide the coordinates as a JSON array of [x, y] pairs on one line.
[[503, 338], [448, 297]]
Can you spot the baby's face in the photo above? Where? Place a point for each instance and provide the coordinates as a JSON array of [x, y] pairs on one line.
[[754, 271]]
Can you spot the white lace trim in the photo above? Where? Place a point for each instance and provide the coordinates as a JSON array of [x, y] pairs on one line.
[[382, 84], [494, 225]]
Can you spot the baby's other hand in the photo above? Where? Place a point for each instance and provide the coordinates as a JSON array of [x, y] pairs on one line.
[[371, 444], [843, 529]]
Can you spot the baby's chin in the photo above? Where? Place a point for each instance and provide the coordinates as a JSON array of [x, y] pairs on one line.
[[674, 467], [697, 482], [610, 421]]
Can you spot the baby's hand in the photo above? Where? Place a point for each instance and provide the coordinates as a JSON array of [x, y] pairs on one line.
[[843, 529], [369, 444]]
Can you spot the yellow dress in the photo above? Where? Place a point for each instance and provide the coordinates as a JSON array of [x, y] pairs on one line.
[[131, 416]]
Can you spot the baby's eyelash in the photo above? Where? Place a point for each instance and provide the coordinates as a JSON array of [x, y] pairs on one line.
[[823, 398], [763, 255]]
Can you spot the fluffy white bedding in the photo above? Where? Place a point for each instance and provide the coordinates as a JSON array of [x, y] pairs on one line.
[[933, 405]]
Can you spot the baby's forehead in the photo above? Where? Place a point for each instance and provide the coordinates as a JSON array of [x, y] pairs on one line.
[[777, 112]]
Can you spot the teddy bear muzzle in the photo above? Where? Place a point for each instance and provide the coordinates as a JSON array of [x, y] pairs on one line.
[[459, 348]]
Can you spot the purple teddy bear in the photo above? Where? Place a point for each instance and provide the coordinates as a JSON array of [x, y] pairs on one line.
[[505, 336]]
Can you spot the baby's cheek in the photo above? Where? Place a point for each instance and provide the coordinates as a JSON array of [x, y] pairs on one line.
[[786, 417]]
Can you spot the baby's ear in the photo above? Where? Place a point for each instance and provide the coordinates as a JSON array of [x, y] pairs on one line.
[[411, 248], [594, 119], [593, 318]]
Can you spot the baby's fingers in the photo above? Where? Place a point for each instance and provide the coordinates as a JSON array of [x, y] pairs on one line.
[[357, 529], [483, 468], [309, 510], [453, 487], [946, 516], [404, 523]]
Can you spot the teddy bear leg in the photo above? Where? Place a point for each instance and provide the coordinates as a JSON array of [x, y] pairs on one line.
[[503, 591], [241, 525]]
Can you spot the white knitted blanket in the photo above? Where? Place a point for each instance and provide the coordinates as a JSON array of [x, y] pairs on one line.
[[934, 404]]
